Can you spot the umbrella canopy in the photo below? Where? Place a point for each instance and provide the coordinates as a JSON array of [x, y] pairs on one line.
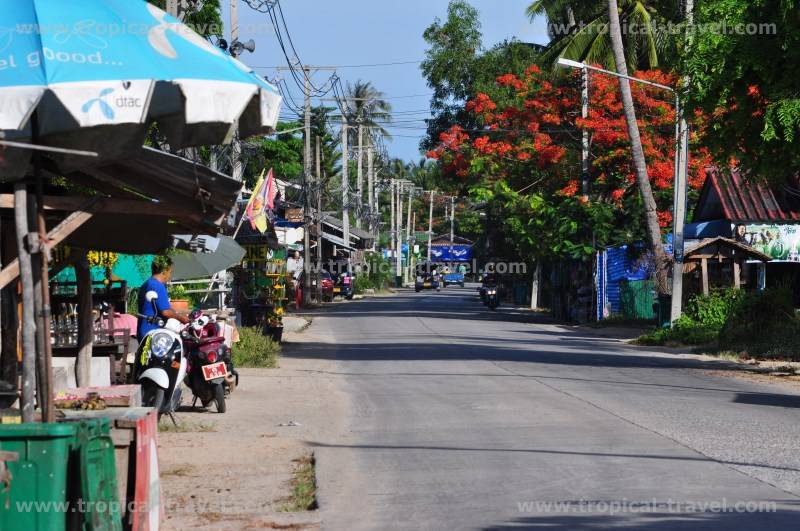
[[189, 265], [110, 68]]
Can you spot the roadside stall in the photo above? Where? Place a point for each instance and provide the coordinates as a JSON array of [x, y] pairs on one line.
[[92, 186], [261, 281]]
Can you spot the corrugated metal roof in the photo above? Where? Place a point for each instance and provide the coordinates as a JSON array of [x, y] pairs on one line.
[[742, 200]]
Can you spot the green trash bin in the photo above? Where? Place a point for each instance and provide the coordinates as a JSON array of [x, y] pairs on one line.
[[96, 475], [37, 495]]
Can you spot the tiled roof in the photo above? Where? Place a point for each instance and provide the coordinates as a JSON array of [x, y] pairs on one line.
[[744, 200]]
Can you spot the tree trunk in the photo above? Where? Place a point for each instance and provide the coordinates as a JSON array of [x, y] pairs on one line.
[[642, 179], [83, 278]]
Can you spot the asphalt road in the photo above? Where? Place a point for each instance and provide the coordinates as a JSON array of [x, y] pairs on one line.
[[465, 419]]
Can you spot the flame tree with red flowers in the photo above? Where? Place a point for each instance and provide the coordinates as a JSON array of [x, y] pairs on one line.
[[523, 162]]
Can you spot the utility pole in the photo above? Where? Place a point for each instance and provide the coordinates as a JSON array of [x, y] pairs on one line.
[[399, 250], [237, 169], [430, 223], [318, 189], [306, 175], [345, 187], [681, 185], [585, 133], [371, 189], [360, 175], [392, 234], [452, 219], [408, 229]]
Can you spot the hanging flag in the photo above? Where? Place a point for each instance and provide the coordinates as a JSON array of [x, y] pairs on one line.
[[256, 204], [271, 190]]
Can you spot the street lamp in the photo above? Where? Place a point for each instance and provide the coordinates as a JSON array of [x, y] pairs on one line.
[[681, 171]]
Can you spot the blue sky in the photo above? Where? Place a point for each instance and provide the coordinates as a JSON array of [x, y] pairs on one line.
[[360, 32]]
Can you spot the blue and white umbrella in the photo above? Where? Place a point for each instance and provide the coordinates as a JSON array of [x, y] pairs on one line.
[[109, 68]]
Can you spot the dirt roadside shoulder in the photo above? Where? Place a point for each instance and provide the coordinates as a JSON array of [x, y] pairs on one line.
[[784, 374], [234, 471]]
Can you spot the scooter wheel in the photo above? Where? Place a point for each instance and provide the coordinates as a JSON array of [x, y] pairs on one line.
[[219, 398], [153, 396]]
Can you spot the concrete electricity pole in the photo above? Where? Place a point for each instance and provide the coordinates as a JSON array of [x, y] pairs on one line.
[[360, 175], [345, 185], [237, 170], [430, 223], [408, 229], [585, 133], [306, 176], [452, 219], [681, 185], [399, 249], [318, 189], [393, 236], [372, 210]]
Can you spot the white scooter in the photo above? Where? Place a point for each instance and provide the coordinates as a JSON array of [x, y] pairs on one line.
[[160, 364]]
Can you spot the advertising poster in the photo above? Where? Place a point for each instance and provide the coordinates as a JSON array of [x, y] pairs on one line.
[[781, 242]]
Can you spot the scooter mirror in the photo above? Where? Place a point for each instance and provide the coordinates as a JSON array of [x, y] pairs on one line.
[[150, 296]]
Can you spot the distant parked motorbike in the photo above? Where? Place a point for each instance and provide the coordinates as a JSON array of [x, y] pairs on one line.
[[211, 375], [160, 364]]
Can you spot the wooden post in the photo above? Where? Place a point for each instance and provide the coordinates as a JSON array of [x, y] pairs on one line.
[[737, 274], [36, 270], [704, 266], [28, 324], [83, 278], [46, 395]]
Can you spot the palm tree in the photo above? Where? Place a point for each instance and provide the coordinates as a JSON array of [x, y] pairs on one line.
[[579, 31], [642, 179], [366, 106]]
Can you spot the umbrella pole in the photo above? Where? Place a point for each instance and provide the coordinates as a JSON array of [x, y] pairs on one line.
[[28, 325], [44, 320]]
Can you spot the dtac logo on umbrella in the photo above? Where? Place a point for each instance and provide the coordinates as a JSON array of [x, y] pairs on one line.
[[105, 108], [159, 40]]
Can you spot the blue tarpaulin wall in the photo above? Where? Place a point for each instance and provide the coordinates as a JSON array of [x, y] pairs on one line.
[[613, 266]]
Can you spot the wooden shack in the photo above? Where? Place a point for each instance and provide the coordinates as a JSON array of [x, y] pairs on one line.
[[718, 262]]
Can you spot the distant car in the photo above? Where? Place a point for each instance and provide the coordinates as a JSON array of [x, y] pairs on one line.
[[327, 285], [453, 278], [426, 281], [325, 281], [343, 287]]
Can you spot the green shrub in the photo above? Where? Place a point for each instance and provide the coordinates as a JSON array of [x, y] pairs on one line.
[[255, 350], [764, 323], [714, 310], [761, 324], [378, 276]]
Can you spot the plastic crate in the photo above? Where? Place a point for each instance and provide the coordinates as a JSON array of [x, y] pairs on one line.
[[37, 495]]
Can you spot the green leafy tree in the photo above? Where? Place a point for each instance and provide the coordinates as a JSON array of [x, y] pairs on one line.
[[367, 106], [579, 30], [457, 67], [744, 79], [202, 16], [283, 153]]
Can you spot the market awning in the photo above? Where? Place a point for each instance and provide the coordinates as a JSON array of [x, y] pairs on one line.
[[140, 204], [337, 241]]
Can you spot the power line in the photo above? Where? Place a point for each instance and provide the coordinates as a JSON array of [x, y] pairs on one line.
[[370, 65]]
